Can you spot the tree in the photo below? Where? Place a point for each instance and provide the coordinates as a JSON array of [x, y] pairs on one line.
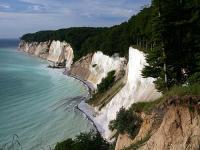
[[175, 54], [106, 82], [126, 122], [84, 141]]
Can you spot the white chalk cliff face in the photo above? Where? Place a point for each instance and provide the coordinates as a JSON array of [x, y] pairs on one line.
[[102, 64], [39, 49], [94, 67], [60, 52], [136, 89], [55, 51]]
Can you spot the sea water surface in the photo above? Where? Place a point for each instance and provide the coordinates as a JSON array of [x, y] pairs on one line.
[[36, 103]]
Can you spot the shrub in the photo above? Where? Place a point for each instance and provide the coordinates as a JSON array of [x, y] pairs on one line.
[[107, 82], [126, 122], [183, 90], [195, 78], [84, 141], [144, 106]]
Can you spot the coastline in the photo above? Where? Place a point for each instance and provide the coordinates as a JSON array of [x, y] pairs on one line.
[[87, 84], [83, 107]]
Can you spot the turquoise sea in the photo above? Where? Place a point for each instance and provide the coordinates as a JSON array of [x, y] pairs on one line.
[[36, 103]]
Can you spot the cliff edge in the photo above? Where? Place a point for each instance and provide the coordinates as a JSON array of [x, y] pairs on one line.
[[173, 125]]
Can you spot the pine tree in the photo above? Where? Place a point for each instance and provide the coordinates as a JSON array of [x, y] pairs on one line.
[[175, 56]]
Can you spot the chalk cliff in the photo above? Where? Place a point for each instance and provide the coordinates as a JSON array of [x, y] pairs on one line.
[[39, 49], [135, 90], [55, 51], [60, 52], [94, 67]]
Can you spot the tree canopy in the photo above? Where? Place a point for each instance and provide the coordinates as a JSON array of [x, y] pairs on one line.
[[175, 56]]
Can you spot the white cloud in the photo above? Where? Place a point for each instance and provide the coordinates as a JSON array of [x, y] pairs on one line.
[[88, 8], [54, 14], [17, 24], [4, 5]]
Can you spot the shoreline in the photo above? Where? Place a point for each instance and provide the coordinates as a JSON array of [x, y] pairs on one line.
[[87, 84], [88, 117], [91, 89]]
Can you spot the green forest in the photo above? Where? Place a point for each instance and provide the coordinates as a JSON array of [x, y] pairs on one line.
[[168, 31], [115, 39]]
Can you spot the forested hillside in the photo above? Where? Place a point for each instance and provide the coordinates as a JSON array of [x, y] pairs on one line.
[[175, 56], [168, 31], [115, 39]]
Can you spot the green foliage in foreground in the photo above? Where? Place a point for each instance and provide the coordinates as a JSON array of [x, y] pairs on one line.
[[175, 55], [84, 141], [106, 82], [126, 122], [144, 106], [193, 89]]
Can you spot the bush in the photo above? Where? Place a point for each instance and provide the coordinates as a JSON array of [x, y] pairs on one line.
[[84, 141], [126, 122], [107, 82], [144, 106], [193, 89], [195, 78]]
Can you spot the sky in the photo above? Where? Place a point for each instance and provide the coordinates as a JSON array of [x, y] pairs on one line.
[[18, 17]]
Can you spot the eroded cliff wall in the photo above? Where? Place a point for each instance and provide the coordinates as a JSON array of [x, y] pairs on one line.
[[38, 49], [171, 125], [136, 89], [55, 51], [94, 67]]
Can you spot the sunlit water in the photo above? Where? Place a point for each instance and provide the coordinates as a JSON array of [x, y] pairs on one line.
[[36, 103]]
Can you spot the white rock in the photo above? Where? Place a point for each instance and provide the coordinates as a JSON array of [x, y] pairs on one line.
[[137, 89], [60, 52], [102, 64]]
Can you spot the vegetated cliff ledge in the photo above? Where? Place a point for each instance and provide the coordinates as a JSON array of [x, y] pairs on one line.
[[136, 89], [173, 123]]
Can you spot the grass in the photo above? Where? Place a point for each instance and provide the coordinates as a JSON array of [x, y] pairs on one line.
[[145, 106], [103, 98], [193, 89], [179, 91]]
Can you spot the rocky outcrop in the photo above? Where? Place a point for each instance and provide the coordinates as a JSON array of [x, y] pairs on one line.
[[55, 51], [180, 128], [39, 49], [174, 125], [94, 67], [124, 141], [60, 52], [81, 68]]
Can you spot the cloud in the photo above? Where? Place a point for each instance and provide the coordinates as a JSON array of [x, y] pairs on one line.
[[35, 8], [88, 8], [4, 5], [34, 15]]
